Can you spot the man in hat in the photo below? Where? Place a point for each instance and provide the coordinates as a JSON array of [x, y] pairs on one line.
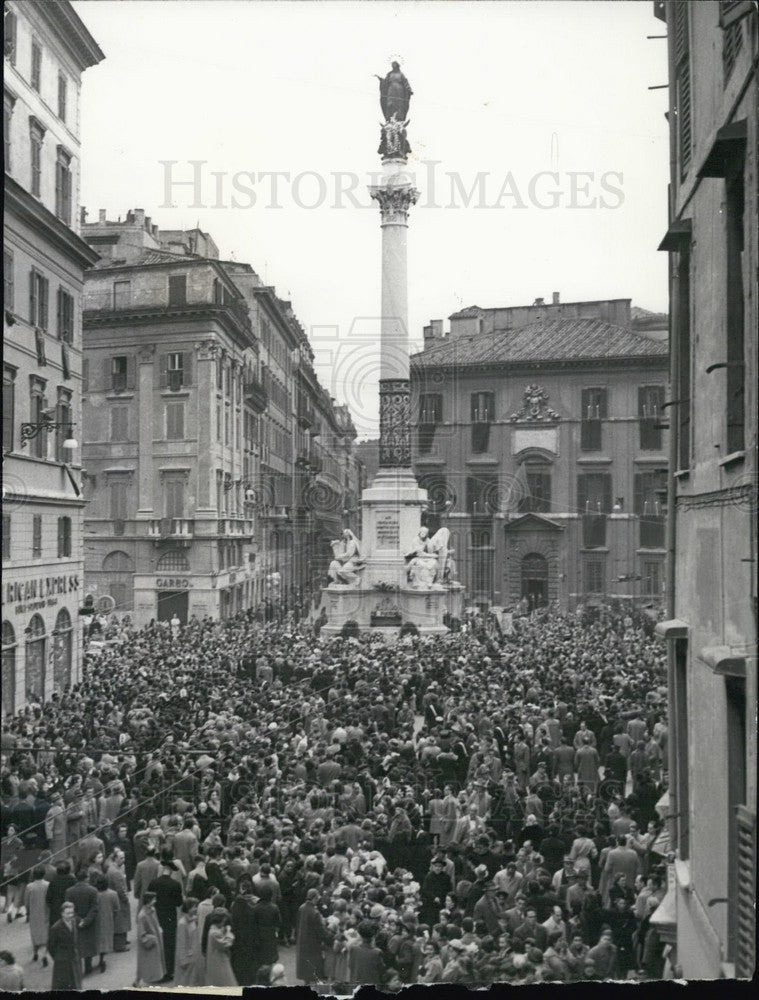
[[311, 937], [168, 899], [64, 951], [488, 909]]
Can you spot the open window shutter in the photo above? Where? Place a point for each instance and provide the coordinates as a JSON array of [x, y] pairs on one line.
[[107, 374], [60, 537], [639, 495], [130, 372], [606, 501], [745, 924], [43, 303], [187, 367], [59, 328], [39, 340], [65, 363], [85, 375], [32, 299], [585, 404], [163, 361], [474, 401], [603, 404]]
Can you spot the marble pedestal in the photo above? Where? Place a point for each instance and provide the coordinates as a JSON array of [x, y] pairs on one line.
[[383, 600]]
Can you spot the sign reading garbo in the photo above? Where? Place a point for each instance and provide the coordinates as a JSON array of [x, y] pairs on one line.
[[172, 583]]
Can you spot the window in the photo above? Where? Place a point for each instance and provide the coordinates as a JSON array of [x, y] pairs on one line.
[[594, 503], [681, 410], [6, 537], [8, 280], [226, 426], [122, 294], [735, 372], [36, 75], [732, 38], [118, 367], [63, 419], [482, 494], [648, 487], [439, 493], [483, 414], [36, 138], [118, 499], [682, 86], [177, 289], [64, 537], [174, 373], [65, 314], [652, 579], [63, 186], [120, 568], [174, 497], [538, 498], [62, 97], [594, 410], [9, 25], [120, 423], [650, 399], [36, 536], [38, 404], [38, 293], [175, 421], [173, 561], [594, 576], [9, 102], [9, 409], [218, 423]]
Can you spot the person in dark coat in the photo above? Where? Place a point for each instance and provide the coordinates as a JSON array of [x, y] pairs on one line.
[[62, 944], [85, 899], [311, 937], [60, 883], [365, 963], [436, 886], [168, 899], [243, 927]]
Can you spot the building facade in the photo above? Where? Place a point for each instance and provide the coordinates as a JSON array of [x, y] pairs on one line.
[[194, 398], [538, 438], [47, 50], [711, 627]]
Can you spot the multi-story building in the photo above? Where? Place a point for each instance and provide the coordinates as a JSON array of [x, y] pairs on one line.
[[538, 437], [47, 49], [195, 431], [712, 602], [171, 399]]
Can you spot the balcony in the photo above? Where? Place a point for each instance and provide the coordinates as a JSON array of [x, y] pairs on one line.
[[235, 526], [171, 527], [255, 394], [306, 416]]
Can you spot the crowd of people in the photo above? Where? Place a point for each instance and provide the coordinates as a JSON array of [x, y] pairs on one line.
[[471, 808]]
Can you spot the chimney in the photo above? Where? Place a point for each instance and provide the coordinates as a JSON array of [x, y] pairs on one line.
[[539, 302], [154, 229], [437, 328], [139, 216], [101, 215], [555, 298]]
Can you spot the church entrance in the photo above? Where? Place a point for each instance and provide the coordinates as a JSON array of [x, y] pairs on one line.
[[535, 580]]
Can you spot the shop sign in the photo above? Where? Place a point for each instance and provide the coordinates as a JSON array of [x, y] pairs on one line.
[[31, 595], [172, 583]]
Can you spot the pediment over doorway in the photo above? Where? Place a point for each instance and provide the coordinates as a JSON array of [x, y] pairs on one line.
[[532, 522]]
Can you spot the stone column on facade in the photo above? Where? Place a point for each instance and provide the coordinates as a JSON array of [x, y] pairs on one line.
[[146, 358], [206, 402]]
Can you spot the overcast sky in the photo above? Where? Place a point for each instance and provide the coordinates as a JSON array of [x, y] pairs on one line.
[[504, 90]]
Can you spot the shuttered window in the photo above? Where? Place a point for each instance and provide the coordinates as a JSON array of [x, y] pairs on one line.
[[745, 913], [650, 399], [174, 497], [175, 421], [648, 507], [38, 296], [9, 409], [682, 86], [120, 423], [594, 503], [36, 536], [118, 500], [594, 410], [64, 537], [177, 289], [8, 276], [65, 316]]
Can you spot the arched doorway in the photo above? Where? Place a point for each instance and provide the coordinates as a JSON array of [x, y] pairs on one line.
[[35, 659], [119, 583], [535, 580], [62, 643], [9, 669]]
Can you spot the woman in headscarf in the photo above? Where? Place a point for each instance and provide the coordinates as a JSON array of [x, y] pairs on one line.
[[217, 945], [187, 943]]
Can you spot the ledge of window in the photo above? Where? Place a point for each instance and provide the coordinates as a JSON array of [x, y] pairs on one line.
[[116, 395], [734, 458], [660, 551], [183, 393], [599, 551], [588, 459], [482, 460], [658, 459], [681, 474]]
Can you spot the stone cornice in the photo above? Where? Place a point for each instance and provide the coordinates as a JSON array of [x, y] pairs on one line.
[[540, 367], [94, 319], [35, 214]]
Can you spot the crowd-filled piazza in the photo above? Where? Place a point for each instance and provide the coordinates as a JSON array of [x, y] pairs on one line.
[[246, 802]]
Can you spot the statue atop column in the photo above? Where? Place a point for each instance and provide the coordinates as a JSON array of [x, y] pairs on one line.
[[395, 97]]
